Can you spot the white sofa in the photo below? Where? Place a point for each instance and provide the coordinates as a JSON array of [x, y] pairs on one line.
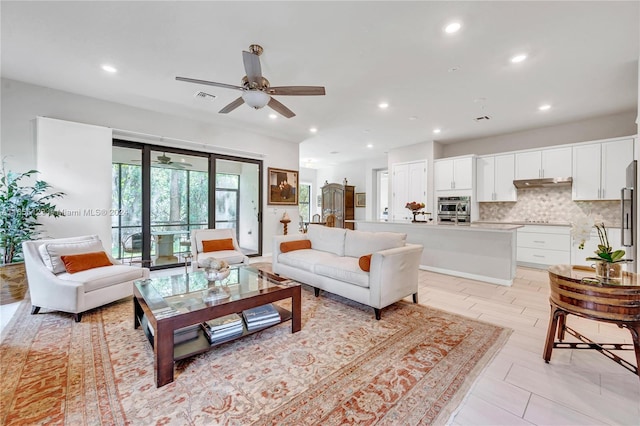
[[51, 287], [232, 257], [332, 264]]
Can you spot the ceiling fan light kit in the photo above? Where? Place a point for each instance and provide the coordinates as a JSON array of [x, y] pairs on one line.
[[256, 91], [255, 98]]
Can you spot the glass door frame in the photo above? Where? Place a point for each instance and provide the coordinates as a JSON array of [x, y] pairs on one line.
[[146, 159]]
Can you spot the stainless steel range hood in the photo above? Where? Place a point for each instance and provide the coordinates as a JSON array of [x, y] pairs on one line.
[[542, 182]]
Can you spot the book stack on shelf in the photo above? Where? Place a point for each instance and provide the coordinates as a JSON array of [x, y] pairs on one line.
[[180, 335], [224, 328], [261, 316]]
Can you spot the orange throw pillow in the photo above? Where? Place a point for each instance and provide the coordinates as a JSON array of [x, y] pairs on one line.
[[81, 262], [295, 245], [217, 245], [365, 262]]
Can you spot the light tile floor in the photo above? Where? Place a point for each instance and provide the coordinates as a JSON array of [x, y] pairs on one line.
[[578, 387]]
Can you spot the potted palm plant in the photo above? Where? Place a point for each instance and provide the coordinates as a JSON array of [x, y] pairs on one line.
[[20, 207]]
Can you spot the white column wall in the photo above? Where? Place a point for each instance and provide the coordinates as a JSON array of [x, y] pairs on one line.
[[76, 159]]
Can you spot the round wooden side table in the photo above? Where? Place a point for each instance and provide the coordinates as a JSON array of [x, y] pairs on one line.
[[574, 290]]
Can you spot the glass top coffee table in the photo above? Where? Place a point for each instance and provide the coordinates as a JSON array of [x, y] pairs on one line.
[[172, 303]]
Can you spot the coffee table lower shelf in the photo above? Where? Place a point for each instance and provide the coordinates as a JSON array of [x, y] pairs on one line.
[[200, 344]]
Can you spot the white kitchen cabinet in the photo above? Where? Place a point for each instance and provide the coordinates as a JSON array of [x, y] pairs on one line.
[[546, 163], [408, 183], [599, 169], [455, 173], [541, 246], [494, 178]]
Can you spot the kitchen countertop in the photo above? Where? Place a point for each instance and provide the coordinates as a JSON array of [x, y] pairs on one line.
[[523, 222], [476, 226]]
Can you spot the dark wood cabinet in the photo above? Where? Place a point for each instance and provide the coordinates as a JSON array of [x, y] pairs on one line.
[[339, 200]]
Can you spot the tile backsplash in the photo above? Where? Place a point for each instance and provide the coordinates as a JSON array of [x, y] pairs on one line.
[[550, 204]]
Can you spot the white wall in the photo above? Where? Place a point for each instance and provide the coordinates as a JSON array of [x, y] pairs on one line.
[[359, 174], [22, 103], [596, 128], [76, 159]]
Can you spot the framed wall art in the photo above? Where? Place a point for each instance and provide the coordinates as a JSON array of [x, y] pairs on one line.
[[283, 187], [361, 199]]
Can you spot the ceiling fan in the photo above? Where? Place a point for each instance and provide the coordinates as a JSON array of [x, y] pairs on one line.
[[256, 91], [164, 161]]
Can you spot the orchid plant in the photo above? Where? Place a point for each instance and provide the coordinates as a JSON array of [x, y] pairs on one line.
[[581, 231]]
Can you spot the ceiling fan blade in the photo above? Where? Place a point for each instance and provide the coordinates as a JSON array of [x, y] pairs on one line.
[[252, 67], [233, 105], [279, 108], [208, 83], [296, 90]]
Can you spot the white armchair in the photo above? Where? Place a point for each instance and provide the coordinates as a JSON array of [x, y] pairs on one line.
[[51, 287], [231, 254]]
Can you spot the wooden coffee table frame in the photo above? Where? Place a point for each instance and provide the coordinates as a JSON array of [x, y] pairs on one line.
[[166, 353]]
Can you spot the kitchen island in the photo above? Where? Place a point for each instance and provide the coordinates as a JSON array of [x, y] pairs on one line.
[[483, 252]]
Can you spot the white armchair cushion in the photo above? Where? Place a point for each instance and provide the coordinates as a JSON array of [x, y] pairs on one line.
[[232, 257], [51, 252], [361, 243], [105, 276], [344, 269], [326, 239]]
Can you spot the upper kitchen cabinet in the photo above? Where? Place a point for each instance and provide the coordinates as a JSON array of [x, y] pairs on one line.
[[453, 173], [494, 178], [599, 169], [546, 163]]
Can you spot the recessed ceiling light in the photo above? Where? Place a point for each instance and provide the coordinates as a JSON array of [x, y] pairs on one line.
[[544, 107], [454, 69], [313, 130], [109, 68], [436, 130], [413, 117], [273, 116], [452, 28], [369, 145], [518, 58], [334, 152], [383, 105]]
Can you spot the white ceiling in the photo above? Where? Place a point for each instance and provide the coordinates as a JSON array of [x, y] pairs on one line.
[[582, 59]]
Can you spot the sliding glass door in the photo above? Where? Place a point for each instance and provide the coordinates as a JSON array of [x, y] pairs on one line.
[[165, 193], [237, 201]]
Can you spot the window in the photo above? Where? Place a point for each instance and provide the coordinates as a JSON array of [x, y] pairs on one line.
[[304, 205]]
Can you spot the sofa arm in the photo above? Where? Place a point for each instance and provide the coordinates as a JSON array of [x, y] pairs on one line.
[[48, 291], [394, 274], [281, 239]]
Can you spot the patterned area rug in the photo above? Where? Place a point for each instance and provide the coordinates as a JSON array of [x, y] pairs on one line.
[[412, 367]]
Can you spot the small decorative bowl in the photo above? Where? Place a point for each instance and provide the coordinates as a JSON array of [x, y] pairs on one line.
[[215, 274]]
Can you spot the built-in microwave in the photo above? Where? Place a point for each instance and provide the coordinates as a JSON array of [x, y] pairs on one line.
[[454, 209]]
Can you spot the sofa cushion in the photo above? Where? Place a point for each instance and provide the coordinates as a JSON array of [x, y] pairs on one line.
[[327, 239], [51, 252], [288, 246], [81, 262], [210, 234], [217, 245], [365, 262], [344, 269], [232, 257], [360, 243], [306, 259], [105, 276]]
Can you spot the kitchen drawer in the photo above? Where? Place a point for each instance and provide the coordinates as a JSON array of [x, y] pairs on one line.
[[544, 241], [545, 229], [543, 257]]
